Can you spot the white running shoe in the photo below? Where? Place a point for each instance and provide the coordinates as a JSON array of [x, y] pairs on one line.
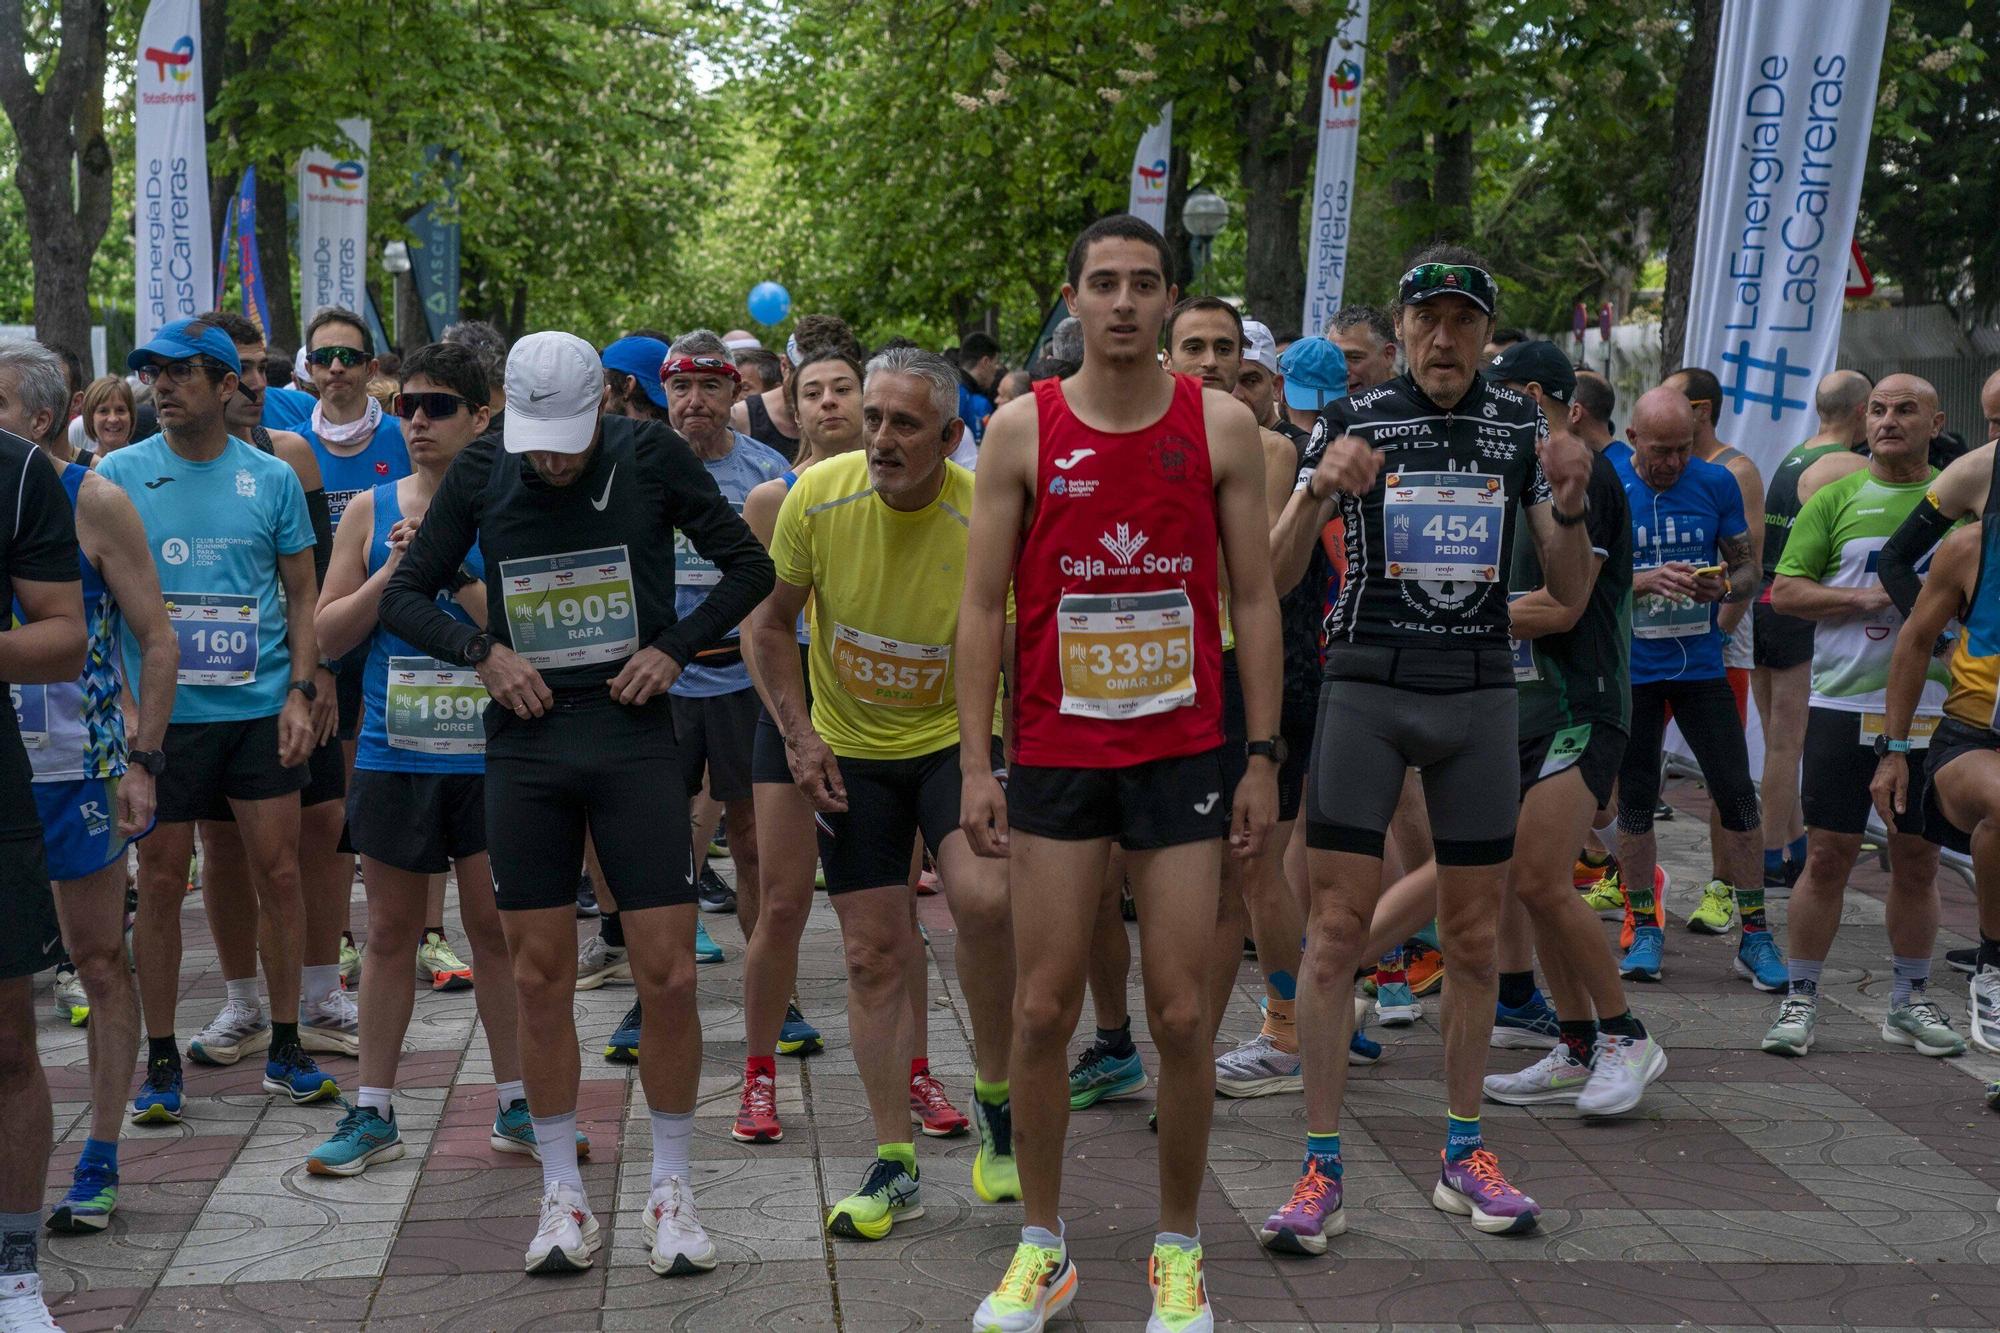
[[330, 1024], [239, 1030], [597, 963], [1619, 1074], [1556, 1077], [680, 1247], [72, 1005], [22, 1309], [567, 1236], [1982, 1010], [1257, 1068]]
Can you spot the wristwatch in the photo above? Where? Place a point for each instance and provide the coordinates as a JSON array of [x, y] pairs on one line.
[[330, 665], [1274, 750], [307, 688], [1886, 746], [479, 649], [153, 761]]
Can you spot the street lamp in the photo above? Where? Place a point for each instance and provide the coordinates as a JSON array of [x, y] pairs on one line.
[[1204, 214], [396, 263]]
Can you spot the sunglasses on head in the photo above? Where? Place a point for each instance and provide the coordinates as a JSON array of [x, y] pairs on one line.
[[436, 405], [346, 356], [1430, 279]]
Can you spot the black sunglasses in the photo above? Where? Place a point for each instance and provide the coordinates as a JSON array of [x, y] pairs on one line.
[[175, 372], [326, 356], [436, 406]]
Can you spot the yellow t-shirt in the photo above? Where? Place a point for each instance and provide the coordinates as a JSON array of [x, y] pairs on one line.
[[886, 586]]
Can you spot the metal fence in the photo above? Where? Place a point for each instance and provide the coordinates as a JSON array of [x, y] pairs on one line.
[[1957, 379]]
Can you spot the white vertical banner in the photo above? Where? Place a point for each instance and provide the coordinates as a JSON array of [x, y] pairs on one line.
[[172, 242], [1148, 199], [1330, 219], [1795, 86], [333, 225]]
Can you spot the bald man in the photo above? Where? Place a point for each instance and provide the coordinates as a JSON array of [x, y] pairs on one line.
[[1692, 555], [1783, 645], [1959, 491]]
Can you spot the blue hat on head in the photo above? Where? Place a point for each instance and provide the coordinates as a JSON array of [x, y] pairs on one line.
[[641, 358], [1315, 372], [176, 342]]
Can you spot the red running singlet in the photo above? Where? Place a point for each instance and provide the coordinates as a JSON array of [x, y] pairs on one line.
[[1118, 623]]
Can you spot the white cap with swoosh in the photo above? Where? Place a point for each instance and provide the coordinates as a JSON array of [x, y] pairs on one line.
[[555, 385]]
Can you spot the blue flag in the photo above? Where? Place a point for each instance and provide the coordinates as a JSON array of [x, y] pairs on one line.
[[434, 250]]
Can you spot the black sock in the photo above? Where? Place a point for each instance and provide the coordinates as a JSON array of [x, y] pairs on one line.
[[1989, 952], [284, 1036], [163, 1048], [434, 930], [1118, 1040], [1581, 1038], [613, 931], [1625, 1025], [1516, 988]]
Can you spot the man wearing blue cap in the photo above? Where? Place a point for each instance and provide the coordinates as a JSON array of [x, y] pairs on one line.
[[632, 385], [233, 544]]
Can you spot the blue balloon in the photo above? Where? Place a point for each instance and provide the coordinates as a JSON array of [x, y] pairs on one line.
[[770, 303]]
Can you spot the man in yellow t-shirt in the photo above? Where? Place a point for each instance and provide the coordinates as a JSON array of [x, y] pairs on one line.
[[872, 545]]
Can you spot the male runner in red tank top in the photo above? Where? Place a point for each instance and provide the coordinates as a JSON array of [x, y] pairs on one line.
[[1102, 499]]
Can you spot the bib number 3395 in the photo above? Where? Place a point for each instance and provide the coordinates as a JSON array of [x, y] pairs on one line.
[[572, 609], [1126, 655]]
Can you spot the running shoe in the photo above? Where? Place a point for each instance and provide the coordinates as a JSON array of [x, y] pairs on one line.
[[757, 1113], [1311, 1215], [239, 1030], [1606, 894], [711, 894], [350, 961], [1040, 1282], [1557, 1077], [819, 876], [1922, 1024], [1642, 960], [1396, 1005], [1257, 1068], [87, 1208], [1583, 875], [597, 964], [798, 1037], [888, 1194], [1180, 1297], [514, 1132], [567, 1236], [1716, 910], [706, 950], [22, 1309], [718, 846], [623, 1048], [438, 967], [1792, 1034], [361, 1139], [1426, 968], [294, 1074], [1758, 960], [1363, 1049], [1100, 1076], [995, 1178], [927, 883], [1631, 923], [160, 1101], [680, 1246], [1475, 1188], [1619, 1074], [330, 1024], [72, 1005], [1982, 1010], [1964, 960], [1993, 1094], [586, 898], [933, 1111], [1530, 1027]]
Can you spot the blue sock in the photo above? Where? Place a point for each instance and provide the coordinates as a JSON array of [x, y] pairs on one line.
[[1324, 1149], [1795, 850], [1461, 1138], [1285, 984], [97, 1152], [1774, 860]]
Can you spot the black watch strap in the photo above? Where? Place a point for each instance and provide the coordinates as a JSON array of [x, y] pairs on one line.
[[153, 761]]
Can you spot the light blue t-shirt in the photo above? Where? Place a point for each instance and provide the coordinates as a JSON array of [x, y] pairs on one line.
[[749, 465], [1681, 523], [288, 409], [216, 531]]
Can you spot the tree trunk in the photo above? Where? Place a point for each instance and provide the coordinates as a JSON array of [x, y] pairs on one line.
[[1408, 155], [1689, 151], [274, 251], [1279, 141], [1177, 232]]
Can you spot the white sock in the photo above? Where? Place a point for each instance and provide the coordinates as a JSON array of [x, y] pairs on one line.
[[556, 1137], [377, 1100], [509, 1093], [316, 983], [671, 1134], [243, 990]]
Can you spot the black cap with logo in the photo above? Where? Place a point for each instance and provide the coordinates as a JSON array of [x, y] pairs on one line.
[[1539, 362]]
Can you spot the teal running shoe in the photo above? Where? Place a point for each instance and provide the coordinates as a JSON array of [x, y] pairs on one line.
[[361, 1139], [623, 1048], [706, 950], [798, 1037], [1101, 1076], [514, 1132]]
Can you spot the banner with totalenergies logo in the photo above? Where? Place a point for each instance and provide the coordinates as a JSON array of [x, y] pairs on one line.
[[1148, 199], [1794, 103], [171, 231], [333, 224], [1330, 220]]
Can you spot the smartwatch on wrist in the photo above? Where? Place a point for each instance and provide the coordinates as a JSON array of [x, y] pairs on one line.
[[1886, 746], [153, 761], [479, 649], [307, 688], [1274, 750]]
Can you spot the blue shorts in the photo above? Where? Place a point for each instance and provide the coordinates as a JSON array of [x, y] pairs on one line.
[[80, 825]]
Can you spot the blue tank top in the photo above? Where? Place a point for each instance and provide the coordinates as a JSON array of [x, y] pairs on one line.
[[386, 458], [436, 712], [76, 730]]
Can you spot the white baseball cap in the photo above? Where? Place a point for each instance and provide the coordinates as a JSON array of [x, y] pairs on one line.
[[555, 384], [1259, 345]]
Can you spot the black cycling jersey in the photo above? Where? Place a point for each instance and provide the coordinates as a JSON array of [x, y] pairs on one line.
[[579, 577], [1299, 615], [1429, 546]]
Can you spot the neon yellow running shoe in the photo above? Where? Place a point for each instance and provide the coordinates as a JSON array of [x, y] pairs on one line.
[[1607, 896], [1040, 1283], [1718, 905], [1180, 1297], [888, 1193]]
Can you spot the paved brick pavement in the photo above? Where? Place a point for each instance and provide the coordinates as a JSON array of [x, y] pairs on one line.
[[1852, 1189]]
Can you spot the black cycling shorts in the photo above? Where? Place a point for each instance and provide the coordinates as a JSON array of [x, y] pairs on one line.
[[889, 802], [1779, 641], [1145, 807], [1706, 712], [1951, 739], [210, 764], [1593, 749], [31, 941], [1838, 768], [715, 735], [420, 822], [588, 764], [767, 749]]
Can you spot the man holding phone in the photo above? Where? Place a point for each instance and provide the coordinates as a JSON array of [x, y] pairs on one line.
[[1691, 550]]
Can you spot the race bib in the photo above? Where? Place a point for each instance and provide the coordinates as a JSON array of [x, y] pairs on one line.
[[218, 636], [433, 708], [31, 714], [1921, 729], [889, 672], [1656, 617], [1126, 655], [572, 609], [1523, 650], [691, 568], [1565, 748], [1443, 526]]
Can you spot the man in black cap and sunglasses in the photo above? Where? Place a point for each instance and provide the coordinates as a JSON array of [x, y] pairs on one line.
[[1428, 473]]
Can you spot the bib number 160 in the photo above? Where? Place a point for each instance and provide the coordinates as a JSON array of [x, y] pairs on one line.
[[589, 609], [1149, 655], [234, 642]]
